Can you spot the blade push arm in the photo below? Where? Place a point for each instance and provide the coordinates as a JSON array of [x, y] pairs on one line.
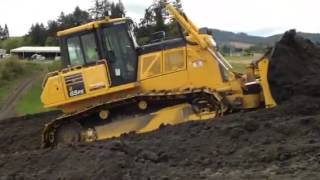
[[187, 25]]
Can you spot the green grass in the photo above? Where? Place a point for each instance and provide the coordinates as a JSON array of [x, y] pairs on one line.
[[54, 66], [239, 58], [12, 72], [30, 103], [240, 68], [5, 88], [239, 63]]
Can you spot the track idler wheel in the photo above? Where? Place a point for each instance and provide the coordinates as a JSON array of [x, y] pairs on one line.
[[207, 103], [69, 133]]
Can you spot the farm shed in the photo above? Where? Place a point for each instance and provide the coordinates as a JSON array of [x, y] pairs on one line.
[[25, 52]]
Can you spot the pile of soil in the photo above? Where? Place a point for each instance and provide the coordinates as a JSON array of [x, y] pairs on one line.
[[266, 144], [280, 143], [294, 67]]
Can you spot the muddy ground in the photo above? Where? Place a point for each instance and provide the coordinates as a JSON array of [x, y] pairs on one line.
[[280, 143]]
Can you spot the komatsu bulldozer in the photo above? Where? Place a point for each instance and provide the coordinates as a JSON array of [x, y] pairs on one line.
[[110, 85]]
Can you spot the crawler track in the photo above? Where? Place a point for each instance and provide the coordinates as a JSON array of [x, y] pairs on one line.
[[215, 102]]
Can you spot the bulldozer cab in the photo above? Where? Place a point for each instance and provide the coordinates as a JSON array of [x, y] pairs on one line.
[[113, 42]]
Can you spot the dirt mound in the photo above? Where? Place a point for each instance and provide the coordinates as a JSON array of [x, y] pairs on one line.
[[294, 67]]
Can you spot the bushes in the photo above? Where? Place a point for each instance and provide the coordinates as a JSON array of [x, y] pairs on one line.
[[55, 66], [14, 42], [10, 69]]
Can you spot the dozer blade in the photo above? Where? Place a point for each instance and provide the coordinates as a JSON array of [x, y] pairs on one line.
[[262, 66], [167, 116]]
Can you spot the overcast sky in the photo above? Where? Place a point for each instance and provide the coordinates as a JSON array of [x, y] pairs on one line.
[[256, 17]]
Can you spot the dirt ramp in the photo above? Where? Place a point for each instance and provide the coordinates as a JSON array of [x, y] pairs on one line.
[[294, 68], [282, 143], [23, 133]]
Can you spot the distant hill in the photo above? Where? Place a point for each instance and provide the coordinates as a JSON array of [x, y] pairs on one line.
[[227, 37]]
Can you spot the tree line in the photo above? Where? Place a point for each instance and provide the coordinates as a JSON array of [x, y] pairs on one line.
[[40, 34], [154, 20], [45, 34]]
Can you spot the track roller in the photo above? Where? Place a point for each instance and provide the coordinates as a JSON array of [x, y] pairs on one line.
[[68, 133]]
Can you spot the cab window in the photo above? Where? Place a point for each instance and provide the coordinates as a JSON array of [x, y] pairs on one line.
[[82, 49], [75, 52], [89, 47]]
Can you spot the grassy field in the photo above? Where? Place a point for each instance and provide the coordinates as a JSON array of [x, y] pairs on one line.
[[12, 72], [30, 103], [239, 63]]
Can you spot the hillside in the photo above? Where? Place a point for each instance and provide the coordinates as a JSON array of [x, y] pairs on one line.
[[227, 37]]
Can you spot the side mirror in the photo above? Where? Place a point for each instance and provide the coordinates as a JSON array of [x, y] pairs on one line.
[[157, 36]]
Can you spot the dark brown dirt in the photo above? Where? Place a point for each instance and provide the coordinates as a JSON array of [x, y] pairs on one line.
[[280, 143], [23, 133], [294, 67]]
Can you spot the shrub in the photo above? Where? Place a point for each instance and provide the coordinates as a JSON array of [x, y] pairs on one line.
[[10, 69], [55, 66]]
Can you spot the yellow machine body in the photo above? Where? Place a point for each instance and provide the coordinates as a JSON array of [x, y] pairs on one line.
[[178, 71]]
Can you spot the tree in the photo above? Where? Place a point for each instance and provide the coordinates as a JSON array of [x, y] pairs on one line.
[[4, 32], [12, 43], [100, 9], [80, 16], [156, 20], [76, 18], [46, 35], [51, 41], [1, 33], [117, 10], [104, 8], [61, 20], [52, 28], [38, 34]]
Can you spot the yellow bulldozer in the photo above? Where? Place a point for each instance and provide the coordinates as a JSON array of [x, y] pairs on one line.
[[110, 85]]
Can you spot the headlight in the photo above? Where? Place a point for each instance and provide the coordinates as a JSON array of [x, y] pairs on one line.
[[198, 64]]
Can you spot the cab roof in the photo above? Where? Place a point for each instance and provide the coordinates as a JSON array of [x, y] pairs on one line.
[[90, 26]]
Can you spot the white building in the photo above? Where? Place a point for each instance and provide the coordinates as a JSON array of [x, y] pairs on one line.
[[49, 52]]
